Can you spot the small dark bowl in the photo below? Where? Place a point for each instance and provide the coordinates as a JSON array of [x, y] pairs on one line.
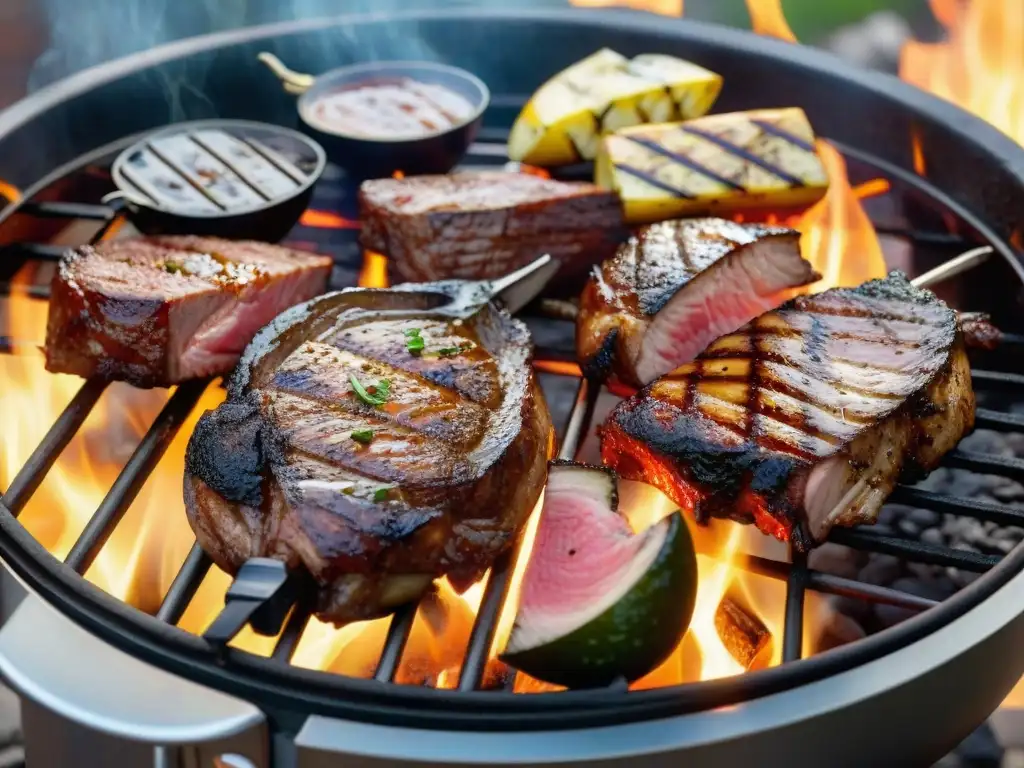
[[366, 157], [266, 214]]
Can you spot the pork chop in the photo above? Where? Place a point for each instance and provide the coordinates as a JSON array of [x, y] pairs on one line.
[[377, 439], [677, 286], [807, 417], [155, 311]]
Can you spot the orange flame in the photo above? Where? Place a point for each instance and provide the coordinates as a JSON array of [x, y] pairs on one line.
[[327, 220], [374, 273], [981, 65], [10, 193], [837, 237], [767, 18]]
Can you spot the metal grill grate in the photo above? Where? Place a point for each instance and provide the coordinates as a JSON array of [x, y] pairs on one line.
[[798, 576]]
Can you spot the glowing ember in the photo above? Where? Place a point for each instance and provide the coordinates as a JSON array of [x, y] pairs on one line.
[[9, 193], [562, 368], [767, 18], [663, 7], [327, 220], [981, 65]]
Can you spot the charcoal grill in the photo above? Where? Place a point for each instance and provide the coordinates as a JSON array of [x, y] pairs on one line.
[[108, 685]]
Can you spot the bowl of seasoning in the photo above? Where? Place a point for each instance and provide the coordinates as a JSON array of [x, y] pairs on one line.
[[376, 118]]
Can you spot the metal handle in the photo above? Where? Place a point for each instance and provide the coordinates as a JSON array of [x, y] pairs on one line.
[[294, 82]]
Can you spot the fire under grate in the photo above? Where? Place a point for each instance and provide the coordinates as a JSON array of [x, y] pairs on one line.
[[797, 575]]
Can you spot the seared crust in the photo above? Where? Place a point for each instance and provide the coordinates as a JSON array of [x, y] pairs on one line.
[[483, 225], [874, 380], [266, 473], [662, 260], [128, 309]]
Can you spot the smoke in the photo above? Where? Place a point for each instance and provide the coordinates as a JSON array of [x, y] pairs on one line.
[[84, 33]]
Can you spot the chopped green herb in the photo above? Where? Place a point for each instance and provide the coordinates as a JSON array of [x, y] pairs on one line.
[[452, 351], [363, 436], [375, 395], [349, 491], [381, 494], [174, 268], [414, 342]]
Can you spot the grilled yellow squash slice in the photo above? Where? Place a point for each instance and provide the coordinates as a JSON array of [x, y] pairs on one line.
[[566, 117], [714, 164]]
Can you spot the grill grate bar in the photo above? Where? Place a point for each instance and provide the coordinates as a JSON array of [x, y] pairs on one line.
[[394, 646], [60, 210], [793, 625], [914, 551], [482, 635], [952, 505], [985, 418], [985, 464], [36, 251], [185, 585], [997, 380], [32, 291], [286, 644], [34, 471], [474, 663], [134, 475], [829, 584]]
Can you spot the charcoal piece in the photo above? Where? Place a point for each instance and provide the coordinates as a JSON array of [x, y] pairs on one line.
[[881, 570], [924, 518], [934, 537], [856, 609], [837, 560], [909, 528], [744, 634], [838, 629]]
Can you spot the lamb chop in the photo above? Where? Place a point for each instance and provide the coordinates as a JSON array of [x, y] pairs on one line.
[[377, 439], [807, 417], [155, 311], [479, 226], [677, 286]]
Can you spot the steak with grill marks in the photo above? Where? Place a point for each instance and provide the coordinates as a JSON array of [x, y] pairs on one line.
[[807, 417], [155, 311], [374, 500], [480, 226], [677, 286]]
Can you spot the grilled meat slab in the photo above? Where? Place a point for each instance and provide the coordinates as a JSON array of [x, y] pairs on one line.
[[677, 286], [807, 417], [375, 501], [155, 311], [479, 226]]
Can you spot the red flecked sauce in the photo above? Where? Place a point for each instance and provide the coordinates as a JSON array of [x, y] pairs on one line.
[[393, 108]]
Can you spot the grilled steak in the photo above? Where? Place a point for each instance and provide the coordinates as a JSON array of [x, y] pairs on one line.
[[479, 226], [375, 501], [677, 286], [808, 416], [155, 311]]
